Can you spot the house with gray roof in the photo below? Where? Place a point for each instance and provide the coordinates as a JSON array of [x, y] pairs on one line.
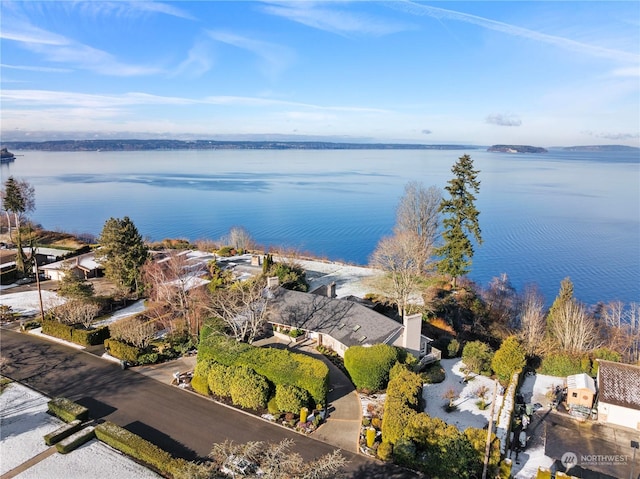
[[84, 266], [619, 394], [340, 323]]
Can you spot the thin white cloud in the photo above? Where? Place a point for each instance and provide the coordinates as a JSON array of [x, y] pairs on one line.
[[19, 31], [132, 10], [501, 119], [614, 136], [35, 68], [333, 20], [561, 42], [626, 72], [199, 60], [275, 58], [74, 99]]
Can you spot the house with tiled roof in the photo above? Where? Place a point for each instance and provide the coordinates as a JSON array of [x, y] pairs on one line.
[[340, 323], [619, 394]]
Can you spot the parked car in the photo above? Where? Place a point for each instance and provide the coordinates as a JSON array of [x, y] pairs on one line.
[[25, 280]]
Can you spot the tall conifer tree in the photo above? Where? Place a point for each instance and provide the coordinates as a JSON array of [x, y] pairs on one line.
[[461, 220]]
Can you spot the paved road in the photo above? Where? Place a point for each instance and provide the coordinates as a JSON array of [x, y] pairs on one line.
[[184, 424]]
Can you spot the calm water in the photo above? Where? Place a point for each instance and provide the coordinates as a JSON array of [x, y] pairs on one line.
[[543, 217]]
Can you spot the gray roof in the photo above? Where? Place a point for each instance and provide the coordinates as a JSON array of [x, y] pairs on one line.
[[348, 322], [619, 384]]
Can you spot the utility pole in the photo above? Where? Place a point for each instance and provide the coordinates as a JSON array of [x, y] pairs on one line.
[[487, 448]]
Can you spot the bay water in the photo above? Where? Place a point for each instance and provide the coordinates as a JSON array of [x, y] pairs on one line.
[[543, 216]]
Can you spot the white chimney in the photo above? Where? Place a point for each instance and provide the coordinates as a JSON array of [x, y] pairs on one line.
[[273, 282], [412, 333]]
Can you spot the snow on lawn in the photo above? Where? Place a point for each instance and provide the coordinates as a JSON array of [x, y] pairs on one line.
[[131, 310], [466, 414], [25, 422], [27, 303], [94, 459]]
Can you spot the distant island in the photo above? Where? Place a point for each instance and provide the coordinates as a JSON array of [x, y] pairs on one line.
[[6, 156], [146, 145], [516, 149]]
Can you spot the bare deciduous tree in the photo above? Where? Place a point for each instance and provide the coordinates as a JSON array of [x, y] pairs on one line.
[[240, 238], [277, 461], [401, 256], [138, 331], [502, 305], [418, 212], [532, 321], [76, 311], [573, 328], [243, 307]]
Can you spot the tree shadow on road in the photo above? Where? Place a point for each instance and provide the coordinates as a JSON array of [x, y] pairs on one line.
[[163, 441]]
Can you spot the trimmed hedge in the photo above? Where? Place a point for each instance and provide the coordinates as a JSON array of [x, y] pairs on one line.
[[67, 410], [76, 439], [134, 446], [90, 337], [56, 329], [404, 395], [248, 389], [199, 381], [84, 337], [369, 366], [122, 351], [277, 365], [220, 378], [62, 432], [290, 398]]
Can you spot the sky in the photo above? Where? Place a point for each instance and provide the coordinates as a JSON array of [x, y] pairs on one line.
[[539, 73]]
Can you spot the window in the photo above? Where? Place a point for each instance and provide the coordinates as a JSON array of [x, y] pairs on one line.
[[356, 327], [362, 338], [574, 395]]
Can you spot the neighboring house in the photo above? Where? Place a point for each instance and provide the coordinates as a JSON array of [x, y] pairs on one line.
[[581, 391], [619, 394], [84, 266], [340, 323]]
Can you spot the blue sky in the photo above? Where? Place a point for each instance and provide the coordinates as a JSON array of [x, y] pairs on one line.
[[540, 73]]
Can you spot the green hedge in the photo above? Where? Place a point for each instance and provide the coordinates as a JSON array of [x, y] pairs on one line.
[[199, 381], [84, 337], [122, 351], [134, 446], [90, 337], [290, 398], [404, 395], [57, 330], [277, 365], [62, 432], [369, 366], [76, 439], [248, 389], [219, 379], [67, 410]]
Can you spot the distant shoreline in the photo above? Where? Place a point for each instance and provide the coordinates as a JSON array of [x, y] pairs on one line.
[[169, 145]]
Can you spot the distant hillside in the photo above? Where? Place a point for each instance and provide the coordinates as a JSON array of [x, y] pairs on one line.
[[142, 145], [516, 149], [600, 148]]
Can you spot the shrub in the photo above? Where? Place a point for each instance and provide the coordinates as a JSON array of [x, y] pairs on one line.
[[226, 251], [62, 432], [404, 395], [200, 379], [137, 448], [369, 366], [67, 410], [290, 398], [453, 348], [90, 337], [57, 330], [603, 353], [433, 373], [219, 379], [76, 439], [509, 358], [272, 406], [148, 358], [477, 356], [561, 364], [122, 351], [404, 452], [248, 388], [385, 451]]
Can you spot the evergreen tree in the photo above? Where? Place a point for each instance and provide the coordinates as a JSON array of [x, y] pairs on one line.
[[461, 220], [565, 296], [510, 357], [18, 198], [122, 252]]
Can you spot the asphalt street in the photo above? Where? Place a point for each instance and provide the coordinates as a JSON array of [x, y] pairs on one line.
[[184, 424]]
